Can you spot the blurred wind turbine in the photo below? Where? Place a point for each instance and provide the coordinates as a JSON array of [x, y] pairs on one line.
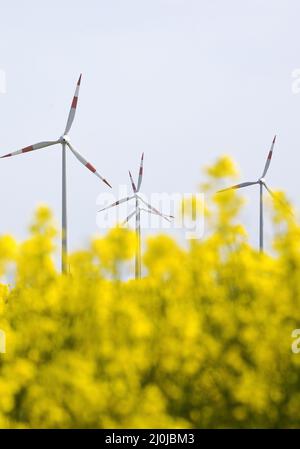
[[137, 213], [262, 184], [64, 140]]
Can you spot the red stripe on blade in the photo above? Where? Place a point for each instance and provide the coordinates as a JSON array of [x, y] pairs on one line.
[[25, 150], [90, 167], [74, 102], [270, 155]]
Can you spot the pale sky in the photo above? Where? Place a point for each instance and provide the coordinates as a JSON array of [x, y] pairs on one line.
[[185, 81]]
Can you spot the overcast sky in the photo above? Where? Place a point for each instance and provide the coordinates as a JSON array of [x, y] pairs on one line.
[[185, 81]]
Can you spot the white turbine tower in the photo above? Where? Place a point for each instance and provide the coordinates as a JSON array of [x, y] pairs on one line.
[[137, 213], [64, 140], [262, 184]]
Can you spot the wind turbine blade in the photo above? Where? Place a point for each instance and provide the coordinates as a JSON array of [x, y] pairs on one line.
[[276, 198], [157, 212], [238, 186], [132, 183], [141, 173], [128, 218], [268, 162], [73, 108], [123, 200], [34, 147], [270, 191], [166, 217], [86, 163]]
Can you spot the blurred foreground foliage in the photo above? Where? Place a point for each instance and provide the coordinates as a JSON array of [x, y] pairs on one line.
[[203, 340]]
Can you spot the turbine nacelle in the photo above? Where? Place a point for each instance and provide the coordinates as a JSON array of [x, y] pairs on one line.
[[64, 139]]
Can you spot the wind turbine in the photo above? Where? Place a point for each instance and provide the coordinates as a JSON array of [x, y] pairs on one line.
[[139, 202], [64, 140], [262, 184]]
